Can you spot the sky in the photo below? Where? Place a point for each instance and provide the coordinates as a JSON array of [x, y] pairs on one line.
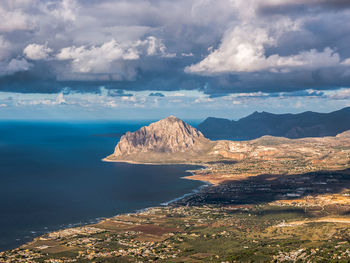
[[147, 59]]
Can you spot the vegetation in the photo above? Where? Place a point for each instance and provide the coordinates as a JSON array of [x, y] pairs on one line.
[[255, 233]]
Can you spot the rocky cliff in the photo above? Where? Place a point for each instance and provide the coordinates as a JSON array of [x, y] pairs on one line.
[[168, 136]]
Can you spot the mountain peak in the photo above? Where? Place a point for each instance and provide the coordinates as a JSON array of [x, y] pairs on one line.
[[170, 118], [168, 135]]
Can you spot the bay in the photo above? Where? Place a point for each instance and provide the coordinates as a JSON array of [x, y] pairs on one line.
[[52, 177]]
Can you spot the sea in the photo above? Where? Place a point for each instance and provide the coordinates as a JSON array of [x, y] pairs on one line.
[[52, 177]]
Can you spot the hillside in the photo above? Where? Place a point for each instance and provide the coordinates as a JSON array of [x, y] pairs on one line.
[[306, 124]]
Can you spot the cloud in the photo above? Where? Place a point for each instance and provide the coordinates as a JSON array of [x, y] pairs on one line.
[[37, 52], [4, 48], [340, 94], [300, 6], [187, 54], [48, 102], [60, 99], [177, 94], [156, 94], [218, 47], [346, 62], [203, 99], [278, 51], [243, 50], [97, 59], [104, 59], [15, 19], [118, 93], [65, 9], [16, 65], [129, 98]]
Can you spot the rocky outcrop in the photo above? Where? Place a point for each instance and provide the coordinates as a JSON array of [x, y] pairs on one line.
[[170, 135]]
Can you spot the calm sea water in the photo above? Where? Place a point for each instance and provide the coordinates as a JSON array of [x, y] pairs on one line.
[[52, 176]]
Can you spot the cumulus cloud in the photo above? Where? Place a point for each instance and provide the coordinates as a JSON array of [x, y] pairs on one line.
[[103, 59], [97, 59], [37, 52], [243, 50]]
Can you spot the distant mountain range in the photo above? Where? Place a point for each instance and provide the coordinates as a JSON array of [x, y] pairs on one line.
[[306, 124]]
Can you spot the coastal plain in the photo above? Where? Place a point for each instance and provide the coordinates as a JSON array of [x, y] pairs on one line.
[[269, 232]]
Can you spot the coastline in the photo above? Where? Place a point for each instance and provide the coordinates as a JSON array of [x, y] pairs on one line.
[[145, 163], [194, 191], [101, 220], [146, 232]]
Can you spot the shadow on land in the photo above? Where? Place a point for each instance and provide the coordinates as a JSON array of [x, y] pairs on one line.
[[268, 188]]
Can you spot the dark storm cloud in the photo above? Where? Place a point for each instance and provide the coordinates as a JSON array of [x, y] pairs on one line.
[[336, 4], [284, 46], [271, 82], [300, 8]]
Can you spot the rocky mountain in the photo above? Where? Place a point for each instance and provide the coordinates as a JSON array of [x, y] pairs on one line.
[[168, 136], [173, 141], [306, 124]]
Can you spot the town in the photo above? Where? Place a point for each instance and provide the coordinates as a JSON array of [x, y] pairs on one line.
[[197, 229]]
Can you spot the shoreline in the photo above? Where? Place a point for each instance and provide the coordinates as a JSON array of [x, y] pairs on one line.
[[164, 163], [97, 220], [193, 192]]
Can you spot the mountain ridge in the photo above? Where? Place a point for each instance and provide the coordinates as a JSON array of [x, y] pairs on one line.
[[293, 126]]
